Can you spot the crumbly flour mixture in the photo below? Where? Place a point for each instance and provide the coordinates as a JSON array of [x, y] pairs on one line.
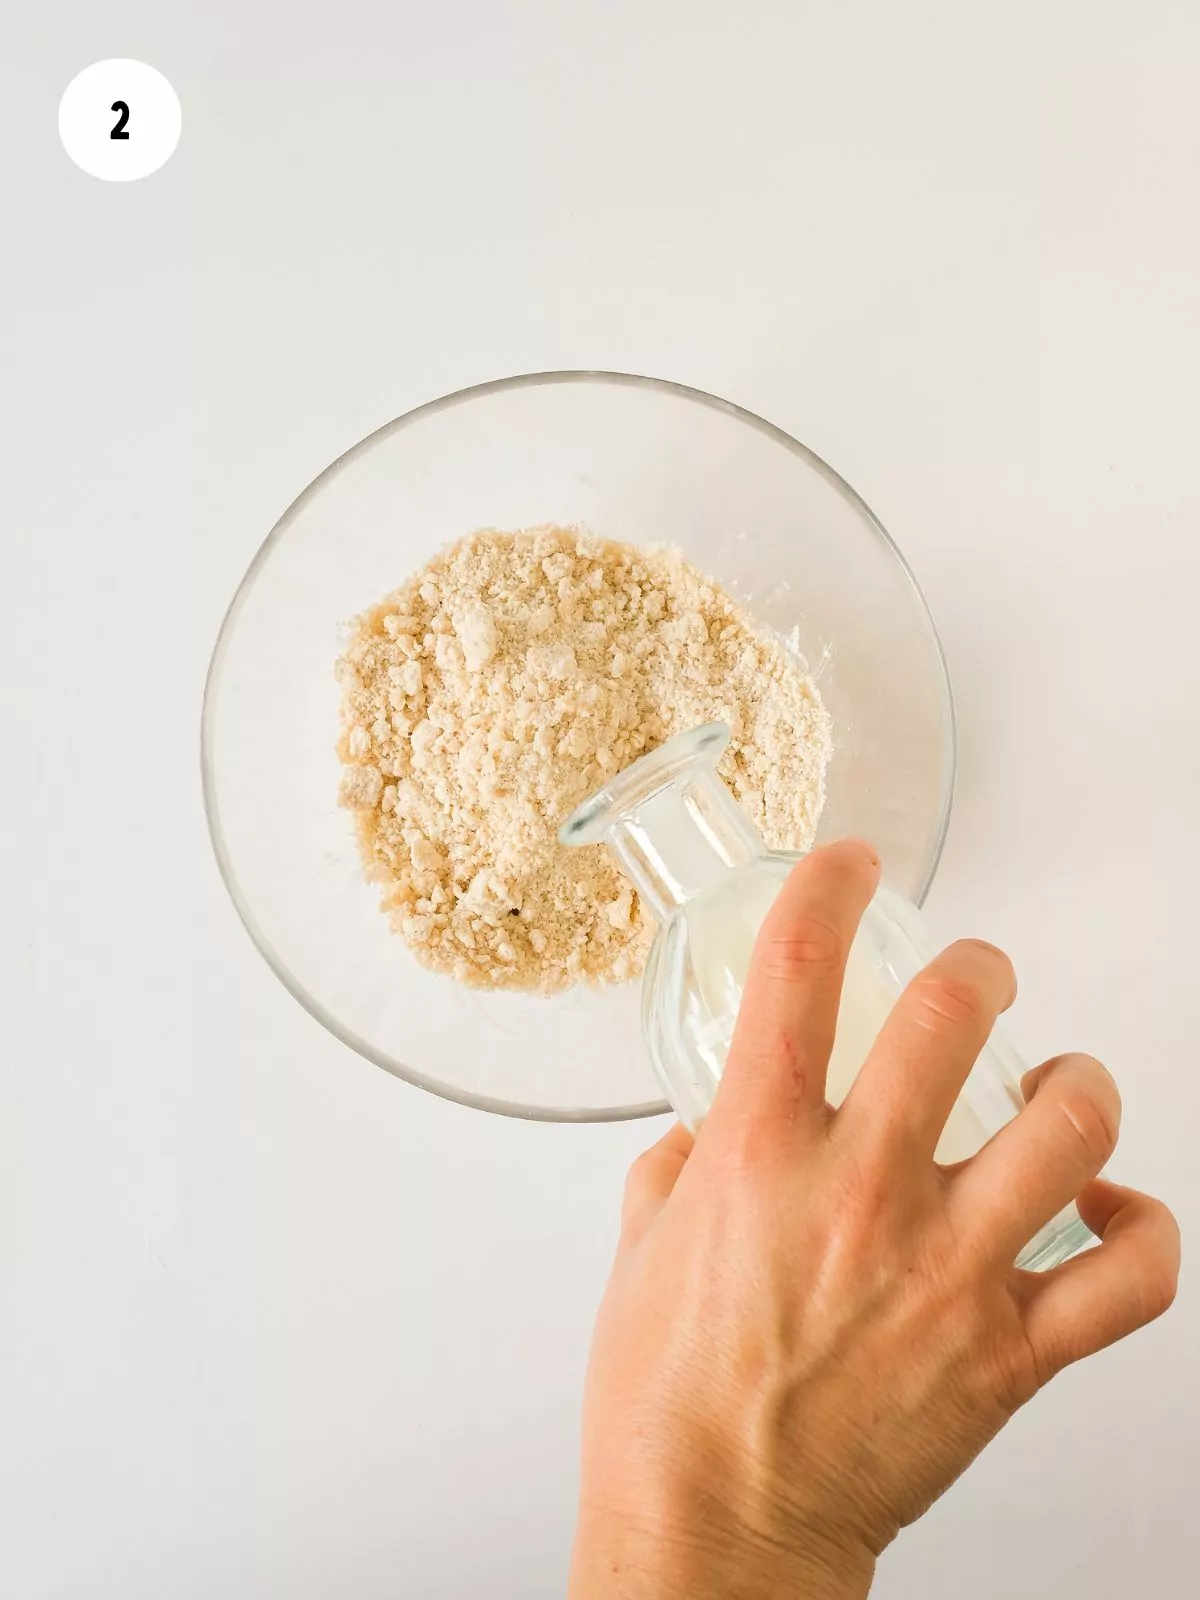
[[498, 688]]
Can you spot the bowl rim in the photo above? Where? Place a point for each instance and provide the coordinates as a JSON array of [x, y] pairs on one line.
[[583, 375]]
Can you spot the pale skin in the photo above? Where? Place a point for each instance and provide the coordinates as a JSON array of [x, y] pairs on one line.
[[811, 1328]]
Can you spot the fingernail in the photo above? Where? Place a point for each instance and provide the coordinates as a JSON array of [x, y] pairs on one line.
[[866, 847]]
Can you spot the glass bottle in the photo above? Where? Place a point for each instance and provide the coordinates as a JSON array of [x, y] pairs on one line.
[[701, 868]]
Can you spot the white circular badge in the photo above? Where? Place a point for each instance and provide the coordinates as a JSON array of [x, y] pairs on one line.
[[119, 120]]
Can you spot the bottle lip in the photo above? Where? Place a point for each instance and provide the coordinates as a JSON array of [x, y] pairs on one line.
[[641, 780]]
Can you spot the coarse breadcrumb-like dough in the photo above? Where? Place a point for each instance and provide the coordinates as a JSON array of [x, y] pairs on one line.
[[501, 685]]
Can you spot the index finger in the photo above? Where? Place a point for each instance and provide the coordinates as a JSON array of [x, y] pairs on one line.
[[784, 1035]]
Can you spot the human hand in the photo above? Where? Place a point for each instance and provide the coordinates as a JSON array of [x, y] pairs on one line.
[[811, 1328]]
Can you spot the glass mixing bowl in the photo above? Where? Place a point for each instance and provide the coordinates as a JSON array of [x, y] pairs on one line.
[[631, 458]]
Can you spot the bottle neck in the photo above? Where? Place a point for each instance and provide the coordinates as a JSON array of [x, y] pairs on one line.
[[670, 822], [682, 841]]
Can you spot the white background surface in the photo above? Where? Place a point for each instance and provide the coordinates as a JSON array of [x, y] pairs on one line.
[[283, 1327]]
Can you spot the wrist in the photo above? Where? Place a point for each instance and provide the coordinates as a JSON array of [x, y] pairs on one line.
[[618, 1559]]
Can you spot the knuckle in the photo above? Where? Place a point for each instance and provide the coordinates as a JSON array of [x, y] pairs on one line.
[[1158, 1292], [639, 1180], [752, 1151], [808, 945], [746, 1145], [1007, 1370], [1094, 1120], [1160, 1268], [946, 1001]]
